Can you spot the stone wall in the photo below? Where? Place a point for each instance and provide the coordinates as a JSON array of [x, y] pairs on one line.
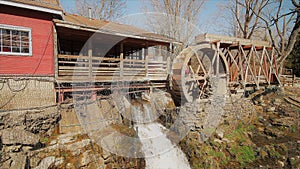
[[26, 93], [28, 112]]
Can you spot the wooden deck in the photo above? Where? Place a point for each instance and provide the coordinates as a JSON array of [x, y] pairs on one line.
[[73, 68]]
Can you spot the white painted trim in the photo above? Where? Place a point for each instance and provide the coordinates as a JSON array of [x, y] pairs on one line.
[[18, 28], [32, 7]]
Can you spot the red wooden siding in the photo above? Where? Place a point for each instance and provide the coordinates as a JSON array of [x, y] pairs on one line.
[[42, 60]]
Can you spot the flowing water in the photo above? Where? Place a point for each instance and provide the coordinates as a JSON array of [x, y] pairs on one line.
[[159, 151]]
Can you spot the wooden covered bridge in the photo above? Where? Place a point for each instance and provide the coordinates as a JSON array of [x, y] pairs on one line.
[[237, 64]]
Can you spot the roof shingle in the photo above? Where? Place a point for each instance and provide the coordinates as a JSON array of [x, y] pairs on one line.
[[49, 4], [111, 27]]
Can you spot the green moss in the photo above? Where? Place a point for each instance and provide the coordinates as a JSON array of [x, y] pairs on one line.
[[237, 134], [44, 140], [274, 153], [293, 129], [243, 154], [64, 154]]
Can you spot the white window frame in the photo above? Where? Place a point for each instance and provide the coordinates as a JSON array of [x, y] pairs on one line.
[[17, 28]]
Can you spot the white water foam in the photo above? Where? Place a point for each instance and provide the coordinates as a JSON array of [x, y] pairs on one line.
[[158, 150]]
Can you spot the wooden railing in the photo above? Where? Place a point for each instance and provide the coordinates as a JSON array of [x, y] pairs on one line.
[[101, 69]]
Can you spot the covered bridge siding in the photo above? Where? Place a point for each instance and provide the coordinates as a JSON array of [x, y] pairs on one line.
[[93, 55]]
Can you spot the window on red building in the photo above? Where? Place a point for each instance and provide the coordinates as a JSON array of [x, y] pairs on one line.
[[15, 40]]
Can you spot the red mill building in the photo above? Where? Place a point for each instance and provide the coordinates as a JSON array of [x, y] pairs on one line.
[[44, 57]]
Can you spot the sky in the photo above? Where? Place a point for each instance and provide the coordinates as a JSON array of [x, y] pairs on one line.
[[211, 20], [134, 7]]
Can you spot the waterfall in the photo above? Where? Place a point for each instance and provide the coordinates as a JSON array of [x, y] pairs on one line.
[[159, 151]]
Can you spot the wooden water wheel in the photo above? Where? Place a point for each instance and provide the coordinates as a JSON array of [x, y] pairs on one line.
[[192, 69]]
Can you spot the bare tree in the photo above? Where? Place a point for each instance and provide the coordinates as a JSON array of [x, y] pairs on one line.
[[242, 18], [273, 20], [101, 9], [282, 26], [175, 18]]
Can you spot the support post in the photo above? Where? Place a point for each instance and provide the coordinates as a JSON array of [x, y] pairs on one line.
[[140, 54], [159, 50], [218, 60], [121, 60], [169, 66], [146, 60], [60, 97], [90, 55]]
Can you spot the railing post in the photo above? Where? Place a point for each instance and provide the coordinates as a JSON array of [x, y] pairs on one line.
[[146, 60], [121, 60], [169, 59], [146, 65], [90, 55]]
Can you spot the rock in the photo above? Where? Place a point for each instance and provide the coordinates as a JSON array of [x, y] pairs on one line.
[[226, 140], [105, 154], [12, 119], [58, 161], [65, 139], [26, 148], [10, 149], [70, 166], [277, 101], [46, 162], [16, 160], [218, 141], [53, 142], [263, 154], [281, 164], [271, 109], [77, 147], [19, 136], [295, 161], [54, 147], [273, 132], [41, 121], [220, 134], [86, 158], [285, 121], [146, 97], [260, 129]]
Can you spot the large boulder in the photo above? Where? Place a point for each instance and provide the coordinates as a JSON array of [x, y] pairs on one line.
[[18, 136]]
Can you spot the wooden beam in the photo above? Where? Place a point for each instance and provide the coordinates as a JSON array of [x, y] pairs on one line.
[[229, 40]]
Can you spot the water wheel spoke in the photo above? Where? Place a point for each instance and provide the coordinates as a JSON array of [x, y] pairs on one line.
[[202, 89], [198, 69], [200, 64], [191, 86], [192, 69]]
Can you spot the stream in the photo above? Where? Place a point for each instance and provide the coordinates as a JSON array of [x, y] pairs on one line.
[[159, 151]]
